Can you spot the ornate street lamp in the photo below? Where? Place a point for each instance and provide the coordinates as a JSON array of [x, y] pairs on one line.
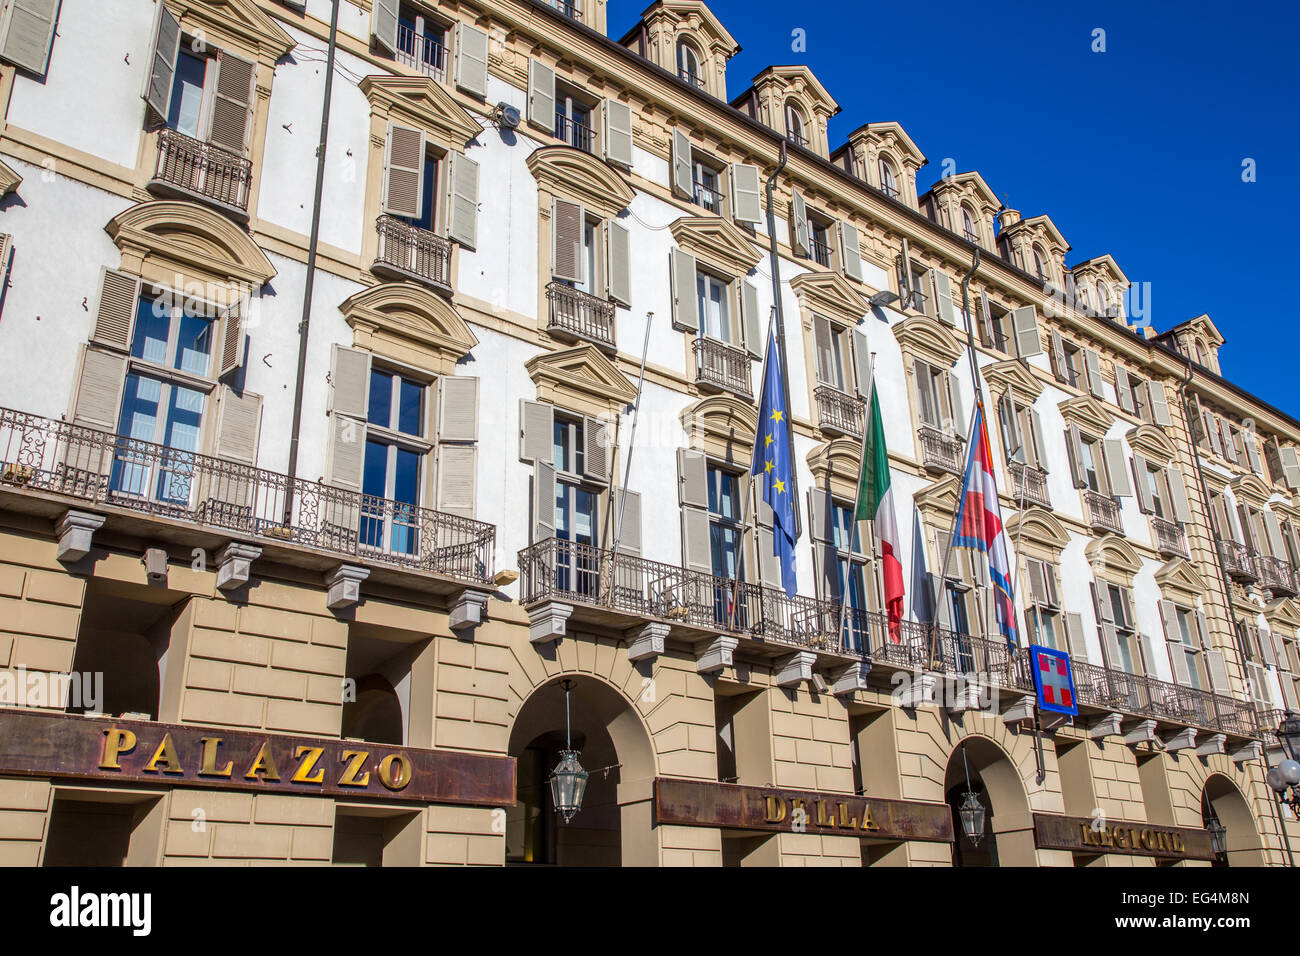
[[568, 779], [1218, 836], [1288, 733], [1284, 778], [971, 810]]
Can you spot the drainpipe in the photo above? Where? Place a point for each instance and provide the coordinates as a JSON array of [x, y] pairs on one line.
[[780, 333], [312, 246]]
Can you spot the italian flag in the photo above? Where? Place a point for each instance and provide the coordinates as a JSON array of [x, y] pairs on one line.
[[876, 504]]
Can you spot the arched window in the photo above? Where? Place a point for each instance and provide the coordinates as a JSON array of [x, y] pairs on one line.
[[795, 128], [1040, 263], [888, 178], [968, 225], [688, 64], [1103, 298]]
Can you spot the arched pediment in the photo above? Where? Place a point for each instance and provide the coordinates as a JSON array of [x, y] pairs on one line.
[[1284, 613], [1088, 413], [928, 339], [407, 317], [1113, 553], [240, 21], [1252, 489], [1152, 442], [722, 426], [716, 241], [172, 236], [580, 378], [1039, 526], [1014, 377], [421, 102], [566, 171], [9, 180], [831, 295], [840, 458], [1179, 575]]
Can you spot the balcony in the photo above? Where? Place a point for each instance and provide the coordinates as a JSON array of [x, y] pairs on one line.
[[797, 138], [1171, 539], [1103, 513], [192, 169], [1029, 484], [694, 79], [202, 500], [819, 251], [721, 368], [412, 252], [839, 414], [1276, 575], [708, 198], [1107, 689], [577, 315], [620, 590], [940, 453], [424, 53], [574, 133], [1236, 561]]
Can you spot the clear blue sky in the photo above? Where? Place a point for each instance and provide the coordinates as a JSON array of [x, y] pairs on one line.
[[1136, 152]]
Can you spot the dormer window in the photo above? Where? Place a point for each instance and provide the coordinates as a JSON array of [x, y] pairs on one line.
[[795, 127], [968, 225], [888, 179], [688, 65], [1040, 264]]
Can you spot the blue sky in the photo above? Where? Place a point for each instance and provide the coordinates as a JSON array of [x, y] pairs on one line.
[[1136, 151]]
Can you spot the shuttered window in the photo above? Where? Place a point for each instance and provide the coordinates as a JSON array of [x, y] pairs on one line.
[[27, 33], [1044, 604]]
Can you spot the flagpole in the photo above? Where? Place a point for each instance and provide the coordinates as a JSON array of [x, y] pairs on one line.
[[627, 462], [942, 588], [748, 494], [857, 498]]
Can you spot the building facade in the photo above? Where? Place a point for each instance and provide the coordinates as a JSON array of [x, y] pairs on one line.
[[301, 585]]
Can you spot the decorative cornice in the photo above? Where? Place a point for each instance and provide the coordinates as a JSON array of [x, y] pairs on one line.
[[1088, 413], [1012, 375], [1113, 551], [424, 104], [566, 171], [1152, 442], [724, 419], [9, 180], [717, 242], [1039, 526], [241, 20], [929, 339], [1283, 611], [1178, 574], [581, 369], [836, 459], [188, 234], [1252, 488], [412, 315], [831, 295]]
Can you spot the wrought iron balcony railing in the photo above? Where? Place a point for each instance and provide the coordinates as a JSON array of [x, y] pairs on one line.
[[194, 169], [412, 252], [568, 7], [58, 458], [1236, 561], [1029, 483], [694, 79], [797, 138], [838, 413], [1110, 689], [1171, 539], [575, 314], [1275, 574], [423, 53], [708, 198], [940, 452], [1103, 513], [574, 133], [721, 367], [819, 251]]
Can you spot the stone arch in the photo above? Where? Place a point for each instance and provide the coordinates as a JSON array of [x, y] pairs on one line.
[[1009, 827], [1114, 554], [721, 426], [1221, 796]]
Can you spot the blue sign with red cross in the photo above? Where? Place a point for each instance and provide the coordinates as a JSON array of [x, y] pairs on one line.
[[1053, 680]]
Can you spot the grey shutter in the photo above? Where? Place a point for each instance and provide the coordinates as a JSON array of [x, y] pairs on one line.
[[683, 168], [1178, 494], [457, 449], [596, 450], [1037, 584], [458, 408], [1146, 504], [240, 423], [99, 391], [820, 509], [1025, 323], [750, 317], [457, 478], [769, 568], [232, 338], [350, 382], [1174, 642], [686, 308], [543, 501], [1109, 637], [232, 102], [696, 551], [1252, 451], [28, 32], [1289, 696], [471, 59], [1159, 404], [1093, 365], [1267, 647], [1273, 531], [1040, 445], [568, 223], [618, 267], [541, 96], [383, 24], [629, 535], [798, 224], [347, 451], [1273, 458], [115, 311], [1214, 663], [986, 320], [462, 210], [746, 201], [403, 192], [1124, 391], [1074, 453], [162, 63], [693, 496], [1059, 367], [1012, 446], [1290, 466], [536, 430], [861, 363], [1229, 446], [850, 251], [618, 132], [1116, 468], [1078, 644], [943, 297], [692, 478], [956, 413]]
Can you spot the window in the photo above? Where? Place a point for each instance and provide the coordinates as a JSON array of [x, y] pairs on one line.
[[934, 392], [570, 8], [715, 314], [1090, 462], [819, 240], [206, 95], [577, 509], [421, 42], [688, 65], [997, 331], [186, 109], [968, 225], [1022, 433], [1154, 480], [707, 180], [574, 115], [1044, 611], [1040, 263], [726, 534], [795, 128], [1188, 636], [829, 342], [913, 281], [888, 179], [851, 569], [391, 475], [1114, 606]]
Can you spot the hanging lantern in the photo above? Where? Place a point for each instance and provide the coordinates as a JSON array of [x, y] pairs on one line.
[[971, 812], [568, 779], [1218, 836]]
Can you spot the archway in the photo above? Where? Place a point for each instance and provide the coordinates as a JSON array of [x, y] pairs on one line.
[[1221, 801], [615, 825], [1008, 838]]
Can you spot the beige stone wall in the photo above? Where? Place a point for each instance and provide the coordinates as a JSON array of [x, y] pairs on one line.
[[24, 807], [40, 607]]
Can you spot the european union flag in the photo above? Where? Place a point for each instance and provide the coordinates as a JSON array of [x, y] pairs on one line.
[[773, 462]]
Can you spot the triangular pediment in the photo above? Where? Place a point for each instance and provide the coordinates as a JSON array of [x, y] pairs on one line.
[[9, 180], [1112, 553], [717, 242], [1283, 611], [928, 339], [240, 21], [1043, 227], [970, 185], [1179, 575], [1152, 442], [1203, 324], [1040, 527], [798, 80], [695, 16], [574, 174], [412, 314], [1012, 375], [1104, 264], [938, 497], [582, 369], [1088, 413], [421, 102], [831, 295]]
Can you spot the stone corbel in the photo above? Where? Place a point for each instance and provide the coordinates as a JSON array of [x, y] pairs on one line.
[[75, 529], [1184, 739], [1021, 712], [917, 692], [548, 622], [468, 611], [1108, 726], [966, 697], [1248, 752], [235, 564], [1144, 731], [646, 642], [850, 679], [344, 585], [795, 669], [715, 655], [1213, 744]]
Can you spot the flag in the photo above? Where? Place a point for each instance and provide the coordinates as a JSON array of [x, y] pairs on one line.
[[979, 524], [876, 504], [773, 464]]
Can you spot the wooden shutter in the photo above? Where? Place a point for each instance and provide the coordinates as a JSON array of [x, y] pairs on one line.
[[1059, 368], [347, 451], [1267, 648], [115, 311], [99, 389], [986, 320], [457, 444], [1146, 504], [629, 536], [693, 496], [683, 166], [240, 420], [798, 224], [232, 102], [1251, 445], [1178, 494], [1229, 446], [850, 251], [746, 201], [27, 32], [162, 62], [1012, 446], [383, 24], [596, 450], [1074, 453], [943, 297], [541, 96], [618, 268], [1024, 321], [232, 338], [350, 381], [1037, 583], [1106, 623], [826, 558], [472, 60], [956, 413], [1124, 391], [1290, 466], [403, 193], [697, 553], [462, 209], [692, 478], [1174, 642], [1116, 468], [751, 319], [457, 478], [686, 309], [1093, 366], [1159, 404], [1273, 531], [536, 430], [1040, 445], [543, 501], [1078, 645], [568, 223], [1214, 663], [769, 568], [861, 363], [458, 408], [618, 132]]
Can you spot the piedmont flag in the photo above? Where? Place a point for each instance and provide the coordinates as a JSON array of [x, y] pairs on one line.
[[773, 463], [979, 524], [876, 504]]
